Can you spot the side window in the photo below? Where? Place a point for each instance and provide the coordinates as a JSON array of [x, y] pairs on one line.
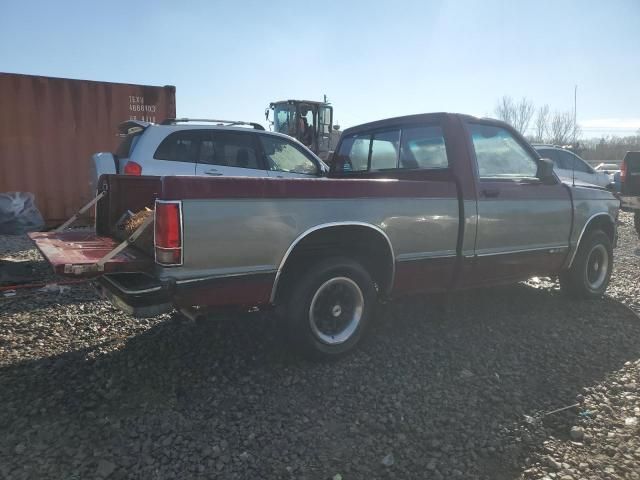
[[499, 155], [423, 147], [552, 155], [581, 165], [179, 147], [353, 155], [284, 156], [228, 150], [384, 150]]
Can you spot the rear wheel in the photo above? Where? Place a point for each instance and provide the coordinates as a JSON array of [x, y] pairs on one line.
[[590, 272], [636, 221], [329, 308]]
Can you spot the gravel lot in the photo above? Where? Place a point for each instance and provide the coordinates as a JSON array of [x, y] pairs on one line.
[[89, 392]]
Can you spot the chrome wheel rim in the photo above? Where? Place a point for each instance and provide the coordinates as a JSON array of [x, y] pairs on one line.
[[336, 310], [597, 267]]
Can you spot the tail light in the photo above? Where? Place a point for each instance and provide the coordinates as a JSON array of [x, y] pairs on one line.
[[623, 171], [168, 233], [132, 168]]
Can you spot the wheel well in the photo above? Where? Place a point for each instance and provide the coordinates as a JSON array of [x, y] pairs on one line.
[[366, 245], [601, 222]]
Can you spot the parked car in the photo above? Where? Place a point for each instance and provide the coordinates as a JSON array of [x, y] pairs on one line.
[[567, 164], [630, 186], [613, 170], [413, 205], [186, 147]]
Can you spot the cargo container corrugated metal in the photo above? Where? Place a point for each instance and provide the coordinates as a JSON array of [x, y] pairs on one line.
[[50, 127]]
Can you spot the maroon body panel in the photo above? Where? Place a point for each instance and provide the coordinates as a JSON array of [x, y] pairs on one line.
[[185, 188], [244, 291], [509, 268], [86, 248], [424, 276]]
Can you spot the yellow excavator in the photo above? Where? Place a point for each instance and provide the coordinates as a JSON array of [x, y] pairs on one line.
[[309, 121]]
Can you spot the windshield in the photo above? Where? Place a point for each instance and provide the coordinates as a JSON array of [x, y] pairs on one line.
[[284, 119]]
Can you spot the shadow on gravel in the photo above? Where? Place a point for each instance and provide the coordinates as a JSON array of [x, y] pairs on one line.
[[446, 396]]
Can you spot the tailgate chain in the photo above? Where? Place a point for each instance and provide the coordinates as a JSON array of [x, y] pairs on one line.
[[66, 224]]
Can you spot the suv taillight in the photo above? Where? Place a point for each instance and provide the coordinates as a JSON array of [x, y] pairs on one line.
[[623, 171], [132, 168], [168, 233]]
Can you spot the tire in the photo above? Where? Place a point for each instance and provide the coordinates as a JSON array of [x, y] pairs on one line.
[[636, 221], [590, 272], [329, 308]]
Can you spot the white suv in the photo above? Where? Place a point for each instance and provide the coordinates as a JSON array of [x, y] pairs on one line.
[[567, 164], [178, 147]]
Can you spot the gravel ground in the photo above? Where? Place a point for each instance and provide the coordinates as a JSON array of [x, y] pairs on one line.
[[89, 392]]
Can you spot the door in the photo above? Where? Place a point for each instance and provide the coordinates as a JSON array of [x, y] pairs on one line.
[[325, 121], [523, 224], [230, 154], [285, 159]]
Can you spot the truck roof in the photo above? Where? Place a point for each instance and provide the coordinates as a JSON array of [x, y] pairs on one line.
[[418, 118]]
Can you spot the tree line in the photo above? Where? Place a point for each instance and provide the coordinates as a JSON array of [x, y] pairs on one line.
[[541, 125]]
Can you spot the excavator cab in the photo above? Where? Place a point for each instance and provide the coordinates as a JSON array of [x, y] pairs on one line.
[[308, 121]]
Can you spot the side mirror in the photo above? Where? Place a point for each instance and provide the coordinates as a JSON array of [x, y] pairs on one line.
[[545, 171], [336, 127]]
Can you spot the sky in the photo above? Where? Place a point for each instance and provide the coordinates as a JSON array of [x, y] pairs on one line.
[[373, 59]]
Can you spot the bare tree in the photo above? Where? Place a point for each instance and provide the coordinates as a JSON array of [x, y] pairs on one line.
[[541, 124], [563, 129], [517, 114]]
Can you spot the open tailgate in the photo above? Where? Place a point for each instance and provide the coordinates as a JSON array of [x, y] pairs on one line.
[[79, 254]]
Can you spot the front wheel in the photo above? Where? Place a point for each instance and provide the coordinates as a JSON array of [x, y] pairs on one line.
[[590, 272], [329, 308]]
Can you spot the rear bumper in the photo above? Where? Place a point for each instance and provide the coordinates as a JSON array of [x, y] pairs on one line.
[[138, 294]]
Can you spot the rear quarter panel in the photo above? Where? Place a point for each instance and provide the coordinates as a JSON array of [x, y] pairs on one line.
[[251, 233]]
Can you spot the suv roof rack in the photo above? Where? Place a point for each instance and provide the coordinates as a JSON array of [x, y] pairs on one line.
[[225, 123]]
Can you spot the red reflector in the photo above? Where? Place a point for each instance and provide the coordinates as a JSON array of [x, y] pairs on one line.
[[132, 168], [168, 238]]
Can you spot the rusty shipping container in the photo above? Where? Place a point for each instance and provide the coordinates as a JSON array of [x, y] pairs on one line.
[[50, 127]]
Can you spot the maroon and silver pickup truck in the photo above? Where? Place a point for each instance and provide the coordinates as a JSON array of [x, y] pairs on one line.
[[412, 205]]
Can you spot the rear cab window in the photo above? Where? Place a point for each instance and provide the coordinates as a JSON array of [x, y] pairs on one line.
[[401, 148]]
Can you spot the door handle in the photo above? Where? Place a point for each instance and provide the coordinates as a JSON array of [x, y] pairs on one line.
[[212, 172], [491, 192]]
